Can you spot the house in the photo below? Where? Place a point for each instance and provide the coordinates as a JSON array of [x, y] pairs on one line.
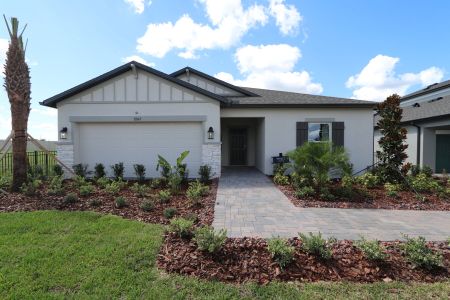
[[134, 112], [426, 117]]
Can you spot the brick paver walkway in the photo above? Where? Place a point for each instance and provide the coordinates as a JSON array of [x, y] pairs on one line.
[[249, 204]]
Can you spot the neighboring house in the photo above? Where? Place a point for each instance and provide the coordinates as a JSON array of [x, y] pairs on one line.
[[133, 113], [426, 116]]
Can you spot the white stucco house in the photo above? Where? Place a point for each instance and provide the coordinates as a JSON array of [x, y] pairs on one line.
[[426, 117], [134, 112]]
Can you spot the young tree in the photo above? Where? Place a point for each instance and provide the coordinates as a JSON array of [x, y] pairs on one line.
[[392, 154], [18, 86]]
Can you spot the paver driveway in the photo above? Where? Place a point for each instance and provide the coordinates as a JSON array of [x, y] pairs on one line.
[[249, 204]]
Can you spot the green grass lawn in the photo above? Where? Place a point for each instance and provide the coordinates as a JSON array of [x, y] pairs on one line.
[[51, 254]]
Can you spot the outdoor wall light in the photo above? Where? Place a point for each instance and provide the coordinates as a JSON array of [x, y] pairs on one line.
[[210, 133], [63, 133]]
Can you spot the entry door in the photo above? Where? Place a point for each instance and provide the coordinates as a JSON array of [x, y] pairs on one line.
[[442, 152], [238, 144]]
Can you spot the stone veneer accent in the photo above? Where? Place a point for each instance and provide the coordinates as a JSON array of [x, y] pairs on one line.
[[65, 155], [211, 155]]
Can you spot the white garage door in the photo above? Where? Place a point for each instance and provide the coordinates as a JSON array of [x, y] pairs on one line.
[[132, 143]]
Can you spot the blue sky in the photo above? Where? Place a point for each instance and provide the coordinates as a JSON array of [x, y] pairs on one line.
[[362, 48]]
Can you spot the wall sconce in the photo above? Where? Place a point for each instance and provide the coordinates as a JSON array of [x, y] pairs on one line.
[[63, 133], [210, 133]]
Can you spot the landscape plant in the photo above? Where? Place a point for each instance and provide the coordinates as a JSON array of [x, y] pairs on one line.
[[102, 182], [118, 170], [210, 240], [147, 205], [372, 249], [417, 252], [139, 171], [70, 198], [169, 212], [316, 245], [58, 170], [174, 182], [5, 182], [205, 173], [280, 250], [164, 196], [281, 179], [81, 170], [392, 189], [140, 190], [31, 187], [55, 186], [86, 190], [368, 180], [181, 227], [99, 171], [120, 202], [196, 191], [113, 188]]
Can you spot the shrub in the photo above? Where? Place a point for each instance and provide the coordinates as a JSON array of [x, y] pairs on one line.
[[164, 196], [423, 183], [140, 190], [280, 168], [181, 167], [165, 166], [281, 252], [326, 195], [55, 186], [392, 189], [196, 191], [70, 198], [182, 227], [304, 192], [209, 240], [86, 190], [120, 202], [368, 180], [174, 183], [102, 182], [58, 170], [316, 245], [157, 183], [191, 217], [81, 170], [281, 179], [36, 172], [139, 171], [118, 170], [5, 182], [99, 171], [147, 205], [95, 202], [205, 173], [347, 181], [113, 188], [299, 181], [31, 187], [79, 181], [169, 212], [417, 253], [371, 249]]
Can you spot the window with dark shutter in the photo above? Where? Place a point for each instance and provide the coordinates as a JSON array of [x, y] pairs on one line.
[[302, 133], [337, 129]]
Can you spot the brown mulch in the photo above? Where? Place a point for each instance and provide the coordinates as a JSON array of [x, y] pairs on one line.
[[247, 259], [376, 198], [204, 212]]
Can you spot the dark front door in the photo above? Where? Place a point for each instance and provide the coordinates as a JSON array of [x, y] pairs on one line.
[[238, 145], [442, 152]]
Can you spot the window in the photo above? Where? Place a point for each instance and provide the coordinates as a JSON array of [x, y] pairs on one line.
[[319, 132]]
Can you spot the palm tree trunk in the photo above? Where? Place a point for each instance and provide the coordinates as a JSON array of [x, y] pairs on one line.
[[19, 116]]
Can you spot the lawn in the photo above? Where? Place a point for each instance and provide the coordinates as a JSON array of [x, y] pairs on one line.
[[49, 254]]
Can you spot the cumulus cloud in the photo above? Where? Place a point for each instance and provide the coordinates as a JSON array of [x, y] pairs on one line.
[[271, 67], [138, 5], [378, 79], [138, 59], [230, 22], [3, 49], [287, 17]]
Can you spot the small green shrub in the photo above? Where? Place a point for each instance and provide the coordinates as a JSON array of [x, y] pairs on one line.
[[205, 173], [157, 183], [147, 205], [209, 240], [371, 249], [113, 188], [55, 186], [118, 170], [417, 253], [347, 181], [81, 170], [31, 187], [423, 183], [99, 171], [102, 182], [196, 191], [182, 227], [79, 181], [316, 245], [368, 180], [392, 189], [86, 190], [169, 212], [305, 192], [164, 196], [95, 202], [326, 195], [36, 172], [58, 170], [139, 171], [280, 168], [281, 179], [120, 202], [281, 252], [174, 183], [70, 198], [5, 182], [140, 190], [299, 181], [191, 217]]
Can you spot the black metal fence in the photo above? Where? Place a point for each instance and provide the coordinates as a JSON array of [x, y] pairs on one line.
[[41, 158]]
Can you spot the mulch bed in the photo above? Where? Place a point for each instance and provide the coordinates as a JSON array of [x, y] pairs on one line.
[[204, 212], [247, 259], [378, 198]]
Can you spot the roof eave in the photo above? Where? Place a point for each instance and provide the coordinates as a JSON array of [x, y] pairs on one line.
[[292, 105]]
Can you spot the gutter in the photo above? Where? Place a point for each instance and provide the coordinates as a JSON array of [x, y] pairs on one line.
[[419, 129]]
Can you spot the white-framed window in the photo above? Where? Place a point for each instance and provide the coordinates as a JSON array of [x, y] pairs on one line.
[[319, 132]]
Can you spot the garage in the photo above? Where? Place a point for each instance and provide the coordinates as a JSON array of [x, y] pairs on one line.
[[139, 143]]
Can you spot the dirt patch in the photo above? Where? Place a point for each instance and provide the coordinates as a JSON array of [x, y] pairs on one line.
[[247, 259]]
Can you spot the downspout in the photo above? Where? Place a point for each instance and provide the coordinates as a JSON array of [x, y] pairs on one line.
[[419, 129]]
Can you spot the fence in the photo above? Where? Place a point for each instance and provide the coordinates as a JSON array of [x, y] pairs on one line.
[[45, 160]]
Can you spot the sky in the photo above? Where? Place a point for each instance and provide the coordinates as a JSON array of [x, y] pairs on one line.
[[360, 49]]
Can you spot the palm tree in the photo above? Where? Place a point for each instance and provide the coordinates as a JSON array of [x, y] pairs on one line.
[[18, 87]]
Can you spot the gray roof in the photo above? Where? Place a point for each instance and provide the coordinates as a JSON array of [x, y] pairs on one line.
[[272, 98], [431, 88]]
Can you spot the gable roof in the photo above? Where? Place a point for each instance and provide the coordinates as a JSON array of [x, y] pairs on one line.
[[429, 89], [273, 98], [52, 101], [213, 79]]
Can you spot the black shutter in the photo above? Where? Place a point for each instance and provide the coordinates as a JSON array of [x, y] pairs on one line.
[[337, 133], [302, 133]]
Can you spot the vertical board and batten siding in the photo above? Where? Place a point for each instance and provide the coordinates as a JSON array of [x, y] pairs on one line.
[[208, 85]]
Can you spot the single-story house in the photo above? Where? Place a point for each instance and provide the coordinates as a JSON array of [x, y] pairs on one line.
[[134, 112], [426, 117]]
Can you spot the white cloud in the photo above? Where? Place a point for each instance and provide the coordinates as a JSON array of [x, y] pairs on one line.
[[138, 5], [230, 23], [3, 49], [271, 67], [286, 17], [138, 59], [378, 79]]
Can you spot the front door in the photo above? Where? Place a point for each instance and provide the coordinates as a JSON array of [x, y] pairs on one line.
[[442, 152], [238, 145]]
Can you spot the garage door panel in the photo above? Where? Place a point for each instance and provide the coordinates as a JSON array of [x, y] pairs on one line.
[[133, 143]]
